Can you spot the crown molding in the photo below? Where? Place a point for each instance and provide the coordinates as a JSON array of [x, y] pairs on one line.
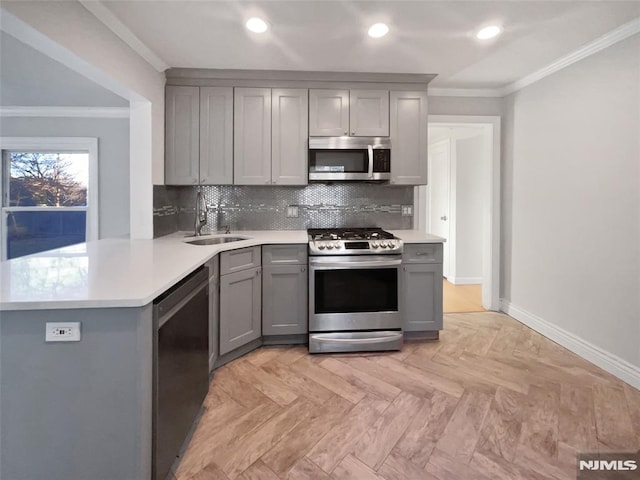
[[113, 23], [464, 92], [66, 112], [614, 36]]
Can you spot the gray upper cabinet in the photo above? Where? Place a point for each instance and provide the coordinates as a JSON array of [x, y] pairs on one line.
[[358, 113], [199, 136], [408, 138], [252, 136], [182, 164], [369, 113], [216, 135], [328, 113], [289, 136]]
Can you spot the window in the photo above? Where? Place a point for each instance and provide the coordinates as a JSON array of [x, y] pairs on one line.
[[49, 195]]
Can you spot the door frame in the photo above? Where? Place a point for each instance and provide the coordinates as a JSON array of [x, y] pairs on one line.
[[449, 244], [491, 204]]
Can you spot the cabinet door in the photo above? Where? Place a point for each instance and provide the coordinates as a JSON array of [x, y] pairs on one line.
[[409, 138], [182, 157], [240, 308], [216, 135], [284, 308], [328, 113], [369, 113], [422, 297], [290, 134], [252, 136]]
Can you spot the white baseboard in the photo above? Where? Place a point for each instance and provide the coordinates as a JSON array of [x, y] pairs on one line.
[[607, 361], [465, 280]]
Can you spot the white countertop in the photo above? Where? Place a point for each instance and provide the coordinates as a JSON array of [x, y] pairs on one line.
[[122, 272]]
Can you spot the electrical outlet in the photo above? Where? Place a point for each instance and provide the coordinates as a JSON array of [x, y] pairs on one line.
[[407, 210], [62, 332], [292, 211]]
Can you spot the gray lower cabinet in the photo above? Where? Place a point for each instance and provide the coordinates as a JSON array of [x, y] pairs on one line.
[[214, 309], [422, 287], [240, 302], [284, 303], [284, 290]]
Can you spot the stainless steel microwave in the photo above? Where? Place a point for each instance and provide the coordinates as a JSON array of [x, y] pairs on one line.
[[349, 158]]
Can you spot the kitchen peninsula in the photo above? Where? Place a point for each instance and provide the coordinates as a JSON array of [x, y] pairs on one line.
[[85, 407]]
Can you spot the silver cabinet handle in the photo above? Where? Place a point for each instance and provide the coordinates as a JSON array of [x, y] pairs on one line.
[[257, 272], [303, 269], [444, 217], [203, 181], [346, 132], [194, 181]]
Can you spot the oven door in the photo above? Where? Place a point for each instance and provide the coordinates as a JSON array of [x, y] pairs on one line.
[[351, 293]]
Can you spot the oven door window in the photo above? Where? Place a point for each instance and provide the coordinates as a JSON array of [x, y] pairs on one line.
[[356, 290], [338, 161]]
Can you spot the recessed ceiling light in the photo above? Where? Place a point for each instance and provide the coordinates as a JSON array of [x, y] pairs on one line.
[[256, 25], [488, 32], [378, 30]]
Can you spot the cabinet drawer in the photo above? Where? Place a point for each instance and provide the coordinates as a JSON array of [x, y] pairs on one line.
[[422, 253], [241, 259], [284, 254]]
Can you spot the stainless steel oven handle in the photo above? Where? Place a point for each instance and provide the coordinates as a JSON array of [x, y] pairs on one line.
[[370, 150], [320, 338], [377, 263]]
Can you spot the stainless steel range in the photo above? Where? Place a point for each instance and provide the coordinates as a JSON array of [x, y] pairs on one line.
[[354, 280]]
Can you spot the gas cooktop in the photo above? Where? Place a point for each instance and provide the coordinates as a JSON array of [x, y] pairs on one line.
[[352, 241]]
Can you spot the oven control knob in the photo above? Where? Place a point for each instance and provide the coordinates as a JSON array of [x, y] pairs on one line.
[[374, 244], [336, 245], [383, 245], [321, 246], [329, 246]]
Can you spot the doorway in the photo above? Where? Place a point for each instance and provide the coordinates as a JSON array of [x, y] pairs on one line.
[[461, 204]]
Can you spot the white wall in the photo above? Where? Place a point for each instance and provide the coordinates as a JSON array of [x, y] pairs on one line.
[[86, 45], [571, 193], [465, 105], [30, 78], [469, 178], [113, 158]]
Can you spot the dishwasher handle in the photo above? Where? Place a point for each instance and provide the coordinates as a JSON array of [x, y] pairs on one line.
[[174, 299]]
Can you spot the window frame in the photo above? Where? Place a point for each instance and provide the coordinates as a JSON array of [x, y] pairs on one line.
[[51, 144]]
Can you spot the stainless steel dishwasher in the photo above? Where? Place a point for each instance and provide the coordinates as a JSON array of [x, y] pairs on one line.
[[181, 366]]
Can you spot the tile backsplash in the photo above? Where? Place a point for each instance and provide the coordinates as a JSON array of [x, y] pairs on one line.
[[274, 208]]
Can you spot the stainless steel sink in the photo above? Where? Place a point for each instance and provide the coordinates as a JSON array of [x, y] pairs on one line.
[[214, 240]]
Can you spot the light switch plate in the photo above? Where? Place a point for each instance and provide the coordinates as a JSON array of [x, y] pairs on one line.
[[62, 332], [292, 211]]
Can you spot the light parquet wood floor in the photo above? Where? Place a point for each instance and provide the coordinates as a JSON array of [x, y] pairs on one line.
[[461, 298], [491, 400]]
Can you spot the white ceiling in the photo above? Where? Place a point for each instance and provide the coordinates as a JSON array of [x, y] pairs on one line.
[[425, 37]]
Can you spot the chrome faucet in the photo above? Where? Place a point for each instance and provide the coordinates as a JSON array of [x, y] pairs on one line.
[[201, 213]]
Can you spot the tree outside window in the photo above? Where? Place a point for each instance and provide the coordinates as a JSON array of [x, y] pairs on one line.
[[48, 179]]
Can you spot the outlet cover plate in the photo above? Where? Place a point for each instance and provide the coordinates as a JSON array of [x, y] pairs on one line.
[[62, 332]]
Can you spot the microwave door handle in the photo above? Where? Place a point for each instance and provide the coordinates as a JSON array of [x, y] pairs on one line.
[[370, 150]]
